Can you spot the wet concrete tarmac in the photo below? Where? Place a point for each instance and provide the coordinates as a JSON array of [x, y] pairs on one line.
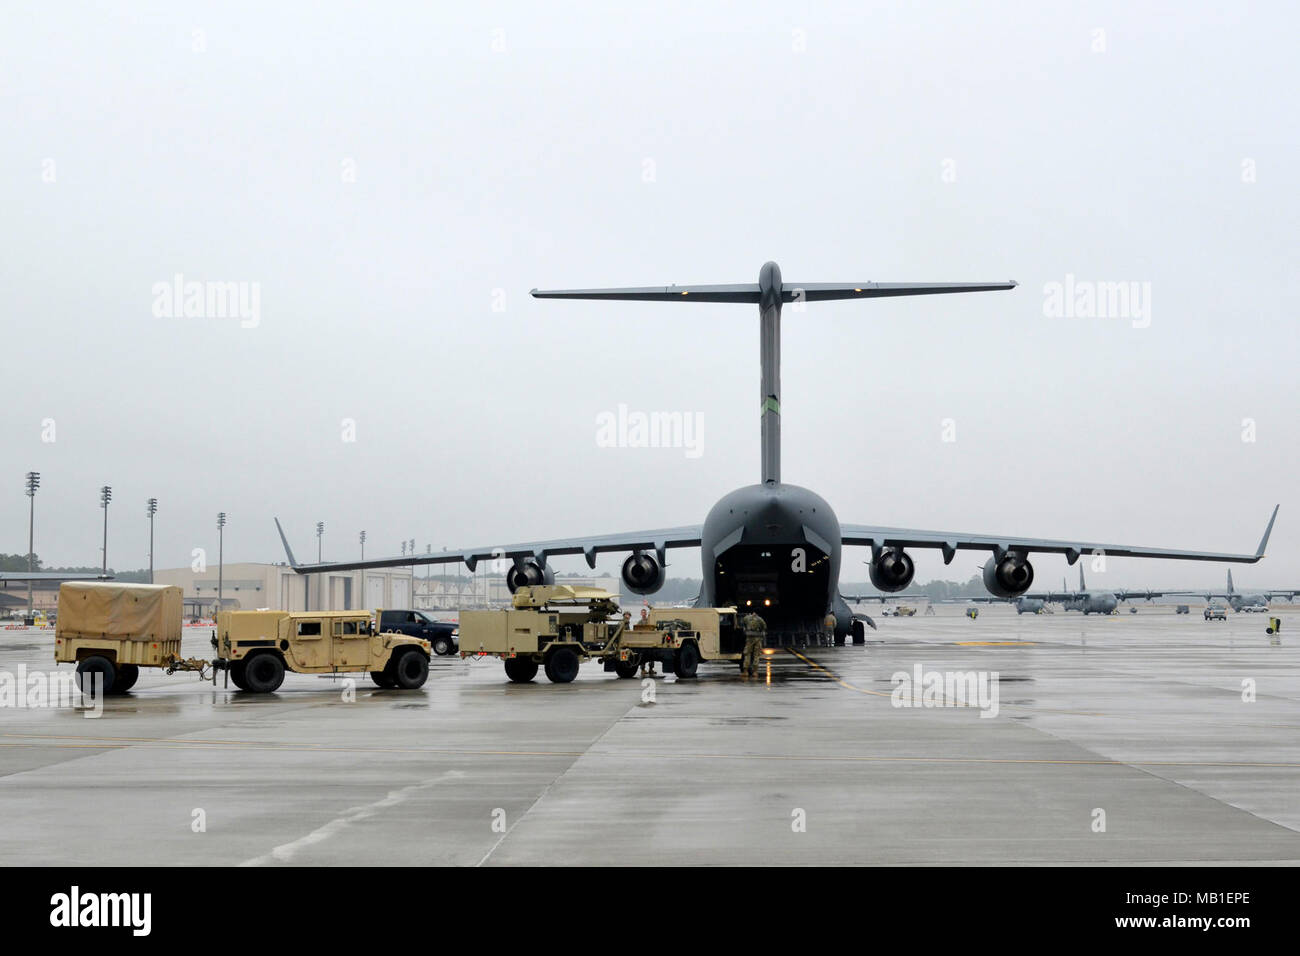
[[1137, 722]]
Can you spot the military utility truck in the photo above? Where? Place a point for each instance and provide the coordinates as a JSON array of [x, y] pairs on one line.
[[557, 627], [111, 630], [679, 638], [256, 648]]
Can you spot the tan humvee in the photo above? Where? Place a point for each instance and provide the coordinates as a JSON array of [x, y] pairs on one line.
[[557, 626], [111, 630], [680, 638], [257, 647]]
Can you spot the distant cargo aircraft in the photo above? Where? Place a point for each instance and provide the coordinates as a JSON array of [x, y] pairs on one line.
[[1249, 600], [1087, 600], [773, 547]]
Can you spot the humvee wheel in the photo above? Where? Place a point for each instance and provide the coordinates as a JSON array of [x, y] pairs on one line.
[[411, 670], [383, 679], [562, 665], [263, 673], [87, 669], [237, 674], [442, 646], [688, 660], [520, 669], [127, 675], [627, 669]]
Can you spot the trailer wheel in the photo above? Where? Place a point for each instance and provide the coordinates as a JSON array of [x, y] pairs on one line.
[[87, 669], [688, 660], [411, 670], [627, 669], [383, 679], [521, 669], [263, 673], [562, 665], [127, 675]]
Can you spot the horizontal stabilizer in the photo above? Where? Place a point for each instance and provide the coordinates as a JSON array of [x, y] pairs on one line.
[[824, 291], [742, 292], [790, 291]]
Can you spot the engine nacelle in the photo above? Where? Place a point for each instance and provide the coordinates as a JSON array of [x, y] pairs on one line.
[[892, 570], [1010, 577], [529, 574], [643, 574]]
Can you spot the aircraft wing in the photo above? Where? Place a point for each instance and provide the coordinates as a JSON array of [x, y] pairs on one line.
[[48, 577], [658, 540], [790, 291], [1144, 595], [950, 542], [1225, 595], [882, 598]]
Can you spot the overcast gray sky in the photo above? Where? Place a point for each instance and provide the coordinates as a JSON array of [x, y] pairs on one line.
[[394, 178]]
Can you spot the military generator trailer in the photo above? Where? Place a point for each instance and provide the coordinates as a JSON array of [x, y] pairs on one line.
[[557, 627], [111, 630], [256, 648]]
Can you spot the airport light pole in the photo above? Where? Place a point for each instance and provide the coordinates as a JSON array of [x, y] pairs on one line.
[[221, 554], [152, 508], [363, 546], [105, 496], [320, 553], [33, 482]]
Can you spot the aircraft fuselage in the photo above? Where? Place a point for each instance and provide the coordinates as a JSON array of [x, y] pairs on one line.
[[775, 549]]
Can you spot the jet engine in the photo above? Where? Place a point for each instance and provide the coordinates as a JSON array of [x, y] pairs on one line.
[[1009, 577], [643, 574], [529, 574], [892, 570]]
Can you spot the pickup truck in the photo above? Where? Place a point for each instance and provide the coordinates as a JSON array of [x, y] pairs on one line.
[[443, 635]]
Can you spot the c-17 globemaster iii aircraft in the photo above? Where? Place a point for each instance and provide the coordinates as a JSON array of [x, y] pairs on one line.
[[774, 547]]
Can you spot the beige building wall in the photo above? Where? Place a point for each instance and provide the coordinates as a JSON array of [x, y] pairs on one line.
[[278, 587]]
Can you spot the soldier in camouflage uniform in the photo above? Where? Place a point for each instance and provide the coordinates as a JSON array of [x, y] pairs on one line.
[[755, 631]]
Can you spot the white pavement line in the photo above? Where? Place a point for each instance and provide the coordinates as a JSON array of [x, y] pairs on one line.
[[547, 789], [285, 852]]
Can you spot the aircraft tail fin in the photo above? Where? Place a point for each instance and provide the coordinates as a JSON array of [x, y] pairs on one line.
[[1082, 585], [1263, 542], [288, 551], [1230, 581]]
